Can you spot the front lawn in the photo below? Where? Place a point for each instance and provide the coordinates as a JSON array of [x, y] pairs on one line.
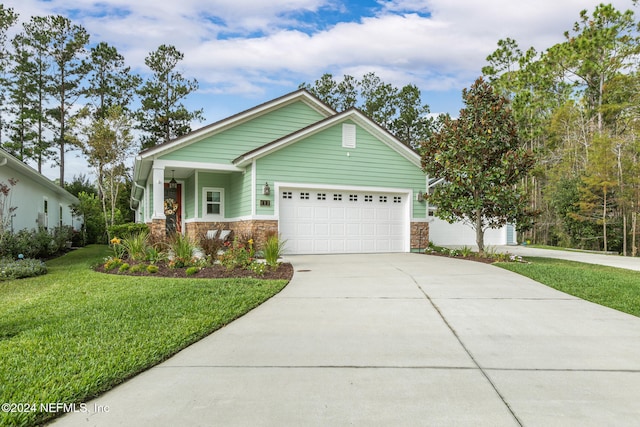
[[612, 287], [74, 333]]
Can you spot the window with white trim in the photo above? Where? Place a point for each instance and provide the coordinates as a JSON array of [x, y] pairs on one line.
[[287, 195], [304, 196], [212, 202], [337, 197], [322, 196], [397, 199], [368, 198], [383, 199]]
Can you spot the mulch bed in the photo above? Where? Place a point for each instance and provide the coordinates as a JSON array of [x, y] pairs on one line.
[[468, 258], [283, 272]]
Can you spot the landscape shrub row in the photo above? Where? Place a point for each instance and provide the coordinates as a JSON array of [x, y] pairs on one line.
[[36, 243]]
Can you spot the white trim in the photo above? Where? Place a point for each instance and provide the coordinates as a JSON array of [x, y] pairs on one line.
[[254, 182], [196, 211], [212, 217], [404, 191], [235, 219], [222, 167]]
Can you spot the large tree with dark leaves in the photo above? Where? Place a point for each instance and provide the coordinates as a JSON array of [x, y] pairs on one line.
[[482, 162]]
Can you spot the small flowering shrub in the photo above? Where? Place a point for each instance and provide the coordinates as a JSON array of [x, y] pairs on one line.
[[237, 255], [152, 269], [111, 263], [118, 248], [10, 269], [124, 267], [258, 267]]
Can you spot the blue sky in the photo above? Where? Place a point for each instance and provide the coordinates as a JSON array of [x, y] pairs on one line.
[[245, 52]]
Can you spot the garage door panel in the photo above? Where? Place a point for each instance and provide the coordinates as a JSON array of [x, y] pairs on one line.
[[319, 221]]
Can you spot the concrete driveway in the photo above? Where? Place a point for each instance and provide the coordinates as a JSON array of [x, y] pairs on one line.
[[396, 340]]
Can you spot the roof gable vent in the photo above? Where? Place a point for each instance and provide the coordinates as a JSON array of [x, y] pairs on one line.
[[349, 135]]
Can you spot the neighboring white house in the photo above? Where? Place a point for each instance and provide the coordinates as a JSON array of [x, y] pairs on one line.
[[460, 233], [39, 202]]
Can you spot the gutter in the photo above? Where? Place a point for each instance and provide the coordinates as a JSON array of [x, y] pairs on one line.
[[133, 199]]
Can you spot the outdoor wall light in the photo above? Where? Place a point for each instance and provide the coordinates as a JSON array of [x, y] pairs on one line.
[[173, 183], [420, 196], [266, 190]]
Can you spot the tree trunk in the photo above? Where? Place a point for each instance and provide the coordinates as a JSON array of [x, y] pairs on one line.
[[634, 249], [604, 220], [479, 232]]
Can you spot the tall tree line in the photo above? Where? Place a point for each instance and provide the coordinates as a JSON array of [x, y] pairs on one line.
[[577, 106], [55, 84]]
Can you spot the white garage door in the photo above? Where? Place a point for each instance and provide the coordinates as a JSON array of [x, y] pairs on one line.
[[330, 221]]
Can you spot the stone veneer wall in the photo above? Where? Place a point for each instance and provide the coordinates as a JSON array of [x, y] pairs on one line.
[[158, 229], [419, 235], [259, 229], [255, 229]]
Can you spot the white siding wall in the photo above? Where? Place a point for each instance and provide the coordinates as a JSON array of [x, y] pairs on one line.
[[28, 196], [441, 233]]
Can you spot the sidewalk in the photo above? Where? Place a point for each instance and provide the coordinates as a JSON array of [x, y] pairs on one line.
[[630, 263]]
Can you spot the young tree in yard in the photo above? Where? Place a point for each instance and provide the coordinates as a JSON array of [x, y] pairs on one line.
[[107, 143], [482, 162], [162, 115]]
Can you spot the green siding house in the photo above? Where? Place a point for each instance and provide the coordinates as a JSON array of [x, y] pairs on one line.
[[327, 182]]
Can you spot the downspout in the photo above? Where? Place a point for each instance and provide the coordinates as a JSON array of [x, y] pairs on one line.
[[134, 199]]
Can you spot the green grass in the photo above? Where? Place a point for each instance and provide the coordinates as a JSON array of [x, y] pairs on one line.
[[73, 333], [612, 287]]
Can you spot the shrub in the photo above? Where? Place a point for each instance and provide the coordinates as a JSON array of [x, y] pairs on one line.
[[112, 263], [182, 248], [136, 268], [191, 271], [236, 255], [152, 269], [210, 247], [273, 249], [154, 255], [258, 267], [124, 267], [10, 269], [128, 229], [135, 245]]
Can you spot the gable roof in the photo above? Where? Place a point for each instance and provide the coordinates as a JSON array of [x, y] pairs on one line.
[[351, 114], [14, 163], [198, 134], [141, 168]]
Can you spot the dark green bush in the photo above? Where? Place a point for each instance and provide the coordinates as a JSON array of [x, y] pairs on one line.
[[10, 269], [128, 229], [35, 243]]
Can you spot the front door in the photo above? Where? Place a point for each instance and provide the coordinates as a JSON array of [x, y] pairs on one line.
[[173, 208]]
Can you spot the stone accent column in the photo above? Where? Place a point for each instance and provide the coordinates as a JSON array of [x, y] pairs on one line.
[[419, 235], [158, 229]]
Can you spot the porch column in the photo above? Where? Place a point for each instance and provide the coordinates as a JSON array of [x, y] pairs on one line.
[[158, 193]]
